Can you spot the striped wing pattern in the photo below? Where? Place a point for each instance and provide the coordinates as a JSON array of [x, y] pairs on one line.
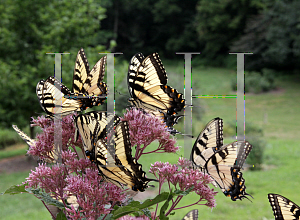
[[89, 82], [222, 163], [208, 142], [113, 156], [283, 208], [147, 81], [88, 89], [191, 215], [31, 143], [24, 136], [90, 126], [120, 168], [221, 166], [48, 92]]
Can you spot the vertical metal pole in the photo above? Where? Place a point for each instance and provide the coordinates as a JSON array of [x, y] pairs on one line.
[[240, 103], [57, 110], [111, 103], [188, 100]]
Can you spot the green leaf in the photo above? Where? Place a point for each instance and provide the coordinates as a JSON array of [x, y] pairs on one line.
[[159, 198], [163, 209], [61, 216], [136, 206], [125, 210], [46, 198], [165, 206], [183, 193], [147, 213], [16, 189]]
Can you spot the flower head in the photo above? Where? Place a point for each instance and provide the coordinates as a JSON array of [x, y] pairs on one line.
[[94, 198], [184, 179], [44, 146], [145, 128]]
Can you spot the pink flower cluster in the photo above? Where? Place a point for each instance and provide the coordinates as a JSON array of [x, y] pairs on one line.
[[44, 146], [184, 179], [79, 179], [144, 129], [75, 178]]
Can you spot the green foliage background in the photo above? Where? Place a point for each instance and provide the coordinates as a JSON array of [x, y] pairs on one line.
[[269, 28], [29, 29]]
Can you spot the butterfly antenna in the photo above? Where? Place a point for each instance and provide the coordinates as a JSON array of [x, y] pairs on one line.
[[245, 196], [188, 135]]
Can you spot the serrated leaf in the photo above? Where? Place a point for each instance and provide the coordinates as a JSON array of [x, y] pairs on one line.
[[15, 190]]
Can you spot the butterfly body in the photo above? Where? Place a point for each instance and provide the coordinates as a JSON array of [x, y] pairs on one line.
[[107, 141], [147, 81], [222, 163], [56, 99]]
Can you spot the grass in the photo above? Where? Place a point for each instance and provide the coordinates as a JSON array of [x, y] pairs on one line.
[[275, 112], [21, 206], [15, 150], [8, 137]]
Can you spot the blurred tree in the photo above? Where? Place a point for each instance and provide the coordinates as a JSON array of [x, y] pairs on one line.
[[273, 37], [163, 26], [30, 29], [219, 23]]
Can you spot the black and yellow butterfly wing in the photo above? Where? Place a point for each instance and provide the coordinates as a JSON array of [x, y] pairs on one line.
[[32, 142], [88, 89], [147, 81], [113, 156], [222, 167], [52, 99], [90, 126], [118, 166], [283, 208], [24, 136], [191, 215], [207, 143], [88, 82]]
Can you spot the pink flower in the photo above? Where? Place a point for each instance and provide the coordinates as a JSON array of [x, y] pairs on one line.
[[51, 179], [75, 178], [144, 129], [74, 164], [78, 178], [44, 146], [183, 179], [93, 198]]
